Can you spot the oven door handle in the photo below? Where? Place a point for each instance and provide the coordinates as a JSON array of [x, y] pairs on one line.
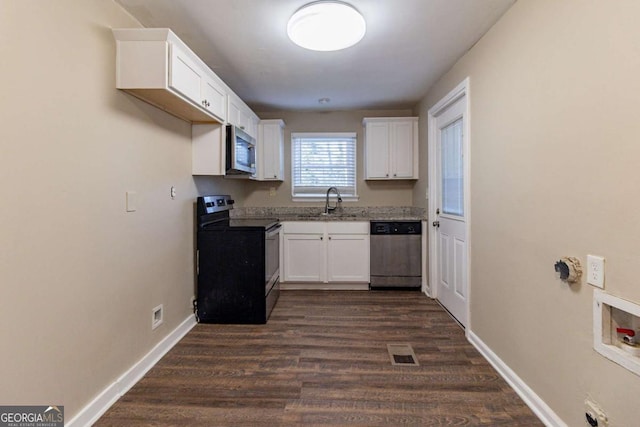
[[272, 231]]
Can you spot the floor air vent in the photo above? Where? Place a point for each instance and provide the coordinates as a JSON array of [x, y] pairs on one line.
[[402, 355]]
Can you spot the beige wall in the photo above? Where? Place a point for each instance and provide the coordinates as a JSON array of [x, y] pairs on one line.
[[79, 276], [554, 171], [553, 157], [372, 193]]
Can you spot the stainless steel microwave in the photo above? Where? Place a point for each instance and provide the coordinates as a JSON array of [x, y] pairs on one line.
[[241, 152]]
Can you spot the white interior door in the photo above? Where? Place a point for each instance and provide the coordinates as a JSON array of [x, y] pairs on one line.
[[449, 219]]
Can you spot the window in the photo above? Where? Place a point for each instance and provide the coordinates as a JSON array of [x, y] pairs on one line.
[[452, 166], [323, 160]]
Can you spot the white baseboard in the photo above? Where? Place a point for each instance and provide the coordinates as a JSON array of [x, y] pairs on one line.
[[533, 401], [291, 286], [96, 408]]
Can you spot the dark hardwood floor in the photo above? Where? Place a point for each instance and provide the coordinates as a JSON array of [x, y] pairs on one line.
[[322, 360]]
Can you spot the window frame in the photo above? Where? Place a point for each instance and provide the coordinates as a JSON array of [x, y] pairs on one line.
[[301, 197]]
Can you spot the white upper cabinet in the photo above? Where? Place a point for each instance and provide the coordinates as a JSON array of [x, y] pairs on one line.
[[185, 75], [240, 115], [270, 151], [214, 96], [207, 149], [391, 148], [234, 116], [156, 66], [377, 152]]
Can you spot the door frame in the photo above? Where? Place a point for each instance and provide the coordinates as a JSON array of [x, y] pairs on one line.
[[461, 90]]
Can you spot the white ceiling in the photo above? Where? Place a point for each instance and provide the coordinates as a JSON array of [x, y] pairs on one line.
[[409, 44]]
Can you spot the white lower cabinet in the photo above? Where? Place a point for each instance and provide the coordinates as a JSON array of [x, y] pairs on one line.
[[326, 252], [345, 258], [304, 258]]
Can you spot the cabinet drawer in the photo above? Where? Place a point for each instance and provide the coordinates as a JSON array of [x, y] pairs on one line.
[[348, 227], [303, 227]]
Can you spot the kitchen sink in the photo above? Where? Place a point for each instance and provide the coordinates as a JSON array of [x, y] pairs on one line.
[[338, 215], [325, 215]]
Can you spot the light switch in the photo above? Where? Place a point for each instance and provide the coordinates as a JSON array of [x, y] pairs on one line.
[[132, 201]]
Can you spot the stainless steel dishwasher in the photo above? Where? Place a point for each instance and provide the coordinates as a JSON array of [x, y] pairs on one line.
[[396, 254]]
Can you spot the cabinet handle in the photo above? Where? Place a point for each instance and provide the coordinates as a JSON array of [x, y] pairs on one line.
[[395, 174], [275, 176], [329, 237], [321, 238], [387, 175]]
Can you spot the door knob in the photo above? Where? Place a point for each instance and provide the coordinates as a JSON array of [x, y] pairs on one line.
[[436, 224]]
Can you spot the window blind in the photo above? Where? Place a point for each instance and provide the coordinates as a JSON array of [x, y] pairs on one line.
[[320, 161]]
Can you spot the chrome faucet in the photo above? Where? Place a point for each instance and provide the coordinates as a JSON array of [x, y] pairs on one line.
[[328, 209]]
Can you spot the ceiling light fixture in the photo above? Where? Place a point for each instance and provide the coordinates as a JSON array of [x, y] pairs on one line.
[[326, 26]]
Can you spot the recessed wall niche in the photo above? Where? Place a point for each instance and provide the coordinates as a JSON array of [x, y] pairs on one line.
[[616, 330]]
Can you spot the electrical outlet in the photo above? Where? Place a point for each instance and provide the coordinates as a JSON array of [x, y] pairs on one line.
[[595, 271], [272, 191], [594, 415]]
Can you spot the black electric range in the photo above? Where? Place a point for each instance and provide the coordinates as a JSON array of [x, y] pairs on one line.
[[238, 265]]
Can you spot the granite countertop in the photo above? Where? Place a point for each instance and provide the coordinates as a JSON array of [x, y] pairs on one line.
[[371, 213]]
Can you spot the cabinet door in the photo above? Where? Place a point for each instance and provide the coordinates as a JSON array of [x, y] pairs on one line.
[[402, 149], [214, 98], [377, 150], [244, 121], [238, 116], [207, 149], [185, 75], [233, 111], [252, 124], [304, 258], [348, 258], [271, 150]]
